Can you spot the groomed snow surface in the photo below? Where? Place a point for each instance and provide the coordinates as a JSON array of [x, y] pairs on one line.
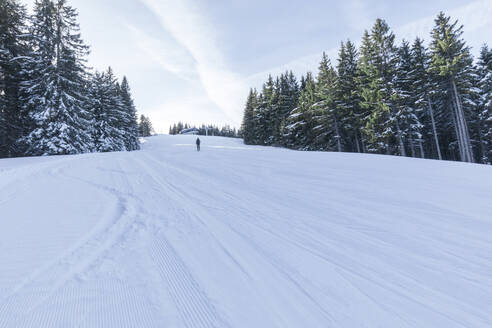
[[239, 236]]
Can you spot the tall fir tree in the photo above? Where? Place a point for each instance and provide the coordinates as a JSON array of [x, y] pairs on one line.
[[56, 87], [281, 104], [111, 105], [293, 94], [347, 97], [302, 83], [364, 82], [452, 62], [3, 110], [484, 71], [145, 127], [406, 114], [13, 49], [287, 101], [299, 124], [118, 114], [378, 67], [103, 128], [130, 127], [274, 114], [424, 96], [471, 97], [264, 113], [248, 126], [326, 117]]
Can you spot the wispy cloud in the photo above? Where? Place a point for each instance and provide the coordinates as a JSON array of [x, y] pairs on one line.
[[298, 66], [167, 54], [473, 16], [202, 86], [186, 23]]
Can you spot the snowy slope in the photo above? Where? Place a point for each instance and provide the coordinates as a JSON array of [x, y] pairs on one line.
[[238, 236]]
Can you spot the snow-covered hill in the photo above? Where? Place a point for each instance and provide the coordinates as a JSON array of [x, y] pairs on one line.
[[238, 236]]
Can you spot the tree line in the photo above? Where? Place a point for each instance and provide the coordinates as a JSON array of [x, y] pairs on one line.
[[408, 100], [51, 103], [211, 130]]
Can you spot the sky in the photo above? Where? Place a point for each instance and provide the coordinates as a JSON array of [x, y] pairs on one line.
[[195, 60]]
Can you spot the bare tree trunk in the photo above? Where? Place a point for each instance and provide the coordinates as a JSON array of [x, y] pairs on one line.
[[434, 130], [357, 143], [463, 128], [458, 128], [421, 147], [400, 139], [482, 146], [339, 144], [412, 148], [455, 124]]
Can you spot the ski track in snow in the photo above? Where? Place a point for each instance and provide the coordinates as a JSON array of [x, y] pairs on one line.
[[240, 236], [194, 308]]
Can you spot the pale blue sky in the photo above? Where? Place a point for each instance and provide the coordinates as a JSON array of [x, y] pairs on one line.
[[195, 60]]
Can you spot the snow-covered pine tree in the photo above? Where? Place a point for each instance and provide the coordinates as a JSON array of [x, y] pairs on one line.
[[247, 126], [264, 113], [274, 114], [13, 49], [364, 79], [281, 103], [452, 62], [291, 100], [347, 97], [287, 101], [302, 84], [3, 106], [118, 114], [425, 92], [405, 103], [299, 124], [293, 95], [55, 87], [180, 127], [260, 119], [326, 119], [484, 72], [146, 130], [378, 67], [100, 104], [141, 127], [130, 118], [471, 98]]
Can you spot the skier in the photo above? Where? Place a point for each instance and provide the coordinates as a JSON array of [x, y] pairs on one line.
[[198, 144]]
